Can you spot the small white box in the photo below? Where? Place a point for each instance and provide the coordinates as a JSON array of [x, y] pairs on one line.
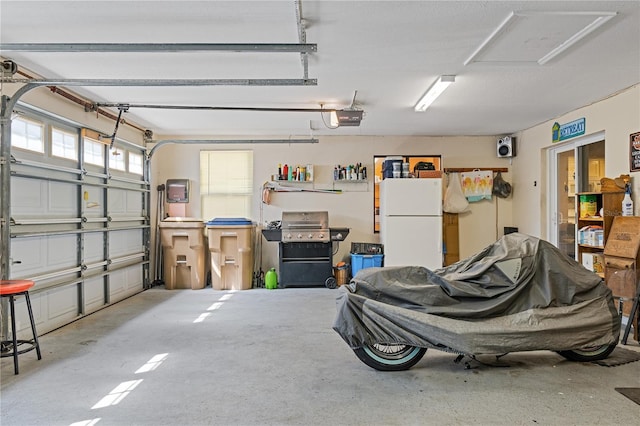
[[587, 261], [599, 238]]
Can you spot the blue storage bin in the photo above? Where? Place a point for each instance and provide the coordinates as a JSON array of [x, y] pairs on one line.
[[361, 261]]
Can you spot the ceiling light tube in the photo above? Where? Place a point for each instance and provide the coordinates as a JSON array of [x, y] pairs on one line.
[[434, 91], [598, 22]]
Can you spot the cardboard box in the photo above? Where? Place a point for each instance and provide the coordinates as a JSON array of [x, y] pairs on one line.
[[429, 173], [598, 263]]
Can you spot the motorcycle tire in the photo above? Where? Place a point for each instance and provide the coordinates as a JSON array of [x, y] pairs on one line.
[[383, 357], [595, 353]]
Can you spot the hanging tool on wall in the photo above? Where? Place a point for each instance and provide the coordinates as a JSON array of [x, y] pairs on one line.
[[276, 187]]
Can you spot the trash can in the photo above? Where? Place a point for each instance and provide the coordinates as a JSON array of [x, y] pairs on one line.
[[183, 247], [231, 252]]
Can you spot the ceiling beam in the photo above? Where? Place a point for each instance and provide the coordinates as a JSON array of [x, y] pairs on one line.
[[160, 47], [167, 82]]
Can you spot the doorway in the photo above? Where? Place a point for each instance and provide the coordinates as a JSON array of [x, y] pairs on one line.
[[574, 167]]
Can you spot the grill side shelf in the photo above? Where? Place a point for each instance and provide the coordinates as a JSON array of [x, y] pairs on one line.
[[272, 234]]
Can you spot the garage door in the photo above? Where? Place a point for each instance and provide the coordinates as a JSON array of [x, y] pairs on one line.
[[79, 222]]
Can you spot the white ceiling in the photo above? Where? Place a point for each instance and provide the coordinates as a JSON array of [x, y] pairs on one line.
[[388, 51]]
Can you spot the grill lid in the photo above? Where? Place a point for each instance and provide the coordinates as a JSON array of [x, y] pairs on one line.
[[305, 226], [305, 220]]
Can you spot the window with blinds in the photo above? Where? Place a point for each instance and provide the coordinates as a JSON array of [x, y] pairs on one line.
[[226, 183]]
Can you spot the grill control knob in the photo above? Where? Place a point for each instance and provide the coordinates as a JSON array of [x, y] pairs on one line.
[[288, 237], [299, 236], [310, 236], [321, 235]]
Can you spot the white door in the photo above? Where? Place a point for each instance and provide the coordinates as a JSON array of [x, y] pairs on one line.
[[572, 169]]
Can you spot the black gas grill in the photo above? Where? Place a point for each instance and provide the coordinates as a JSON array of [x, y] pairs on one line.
[[306, 248]]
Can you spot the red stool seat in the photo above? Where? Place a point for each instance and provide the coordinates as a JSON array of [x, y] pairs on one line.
[[11, 289], [14, 286]]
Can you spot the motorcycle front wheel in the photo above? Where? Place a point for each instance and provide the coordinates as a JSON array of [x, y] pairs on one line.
[[595, 353], [384, 357]]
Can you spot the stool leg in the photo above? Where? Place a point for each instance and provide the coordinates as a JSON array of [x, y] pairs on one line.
[[33, 324], [13, 334]]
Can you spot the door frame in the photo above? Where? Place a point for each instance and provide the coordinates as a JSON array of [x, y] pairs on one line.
[[552, 182]]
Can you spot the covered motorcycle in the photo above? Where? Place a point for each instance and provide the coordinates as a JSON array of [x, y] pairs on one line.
[[518, 294]]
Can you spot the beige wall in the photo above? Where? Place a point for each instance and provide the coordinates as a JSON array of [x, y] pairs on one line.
[[354, 207], [618, 116]]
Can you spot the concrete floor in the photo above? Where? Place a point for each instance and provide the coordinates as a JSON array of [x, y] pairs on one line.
[[270, 357]]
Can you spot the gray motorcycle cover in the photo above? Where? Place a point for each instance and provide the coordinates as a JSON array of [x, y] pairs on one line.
[[518, 294]]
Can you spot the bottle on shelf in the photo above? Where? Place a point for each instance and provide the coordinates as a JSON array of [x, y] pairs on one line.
[[285, 172], [627, 202]]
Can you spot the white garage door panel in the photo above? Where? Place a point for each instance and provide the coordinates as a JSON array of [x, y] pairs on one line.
[[117, 202], [134, 279], [93, 201], [62, 251], [22, 316], [28, 197], [93, 294], [63, 199], [28, 256], [93, 247], [134, 203], [125, 242], [125, 282], [62, 306]]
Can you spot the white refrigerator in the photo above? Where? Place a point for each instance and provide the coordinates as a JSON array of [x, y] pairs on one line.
[[411, 222]]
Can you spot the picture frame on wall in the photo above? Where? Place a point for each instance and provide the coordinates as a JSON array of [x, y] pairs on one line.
[[634, 152]]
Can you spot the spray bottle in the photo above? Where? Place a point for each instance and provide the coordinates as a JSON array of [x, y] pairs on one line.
[[627, 202]]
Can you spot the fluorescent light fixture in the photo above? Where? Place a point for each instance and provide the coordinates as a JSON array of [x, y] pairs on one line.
[[598, 22], [434, 91]]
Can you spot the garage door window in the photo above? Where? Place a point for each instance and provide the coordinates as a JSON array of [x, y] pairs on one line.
[[116, 159], [64, 144], [135, 163], [27, 134], [226, 183], [93, 152]]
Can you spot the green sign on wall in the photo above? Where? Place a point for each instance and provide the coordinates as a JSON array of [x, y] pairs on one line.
[[561, 132]]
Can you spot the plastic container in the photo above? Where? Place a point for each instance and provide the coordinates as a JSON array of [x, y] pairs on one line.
[[362, 261], [391, 165], [627, 204], [367, 248], [184, 253], [588, 206], [231, 253], [271, 279]]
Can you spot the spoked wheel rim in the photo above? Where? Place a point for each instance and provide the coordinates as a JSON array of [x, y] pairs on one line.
[[591, 350], [589, 353], [391, 353]]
